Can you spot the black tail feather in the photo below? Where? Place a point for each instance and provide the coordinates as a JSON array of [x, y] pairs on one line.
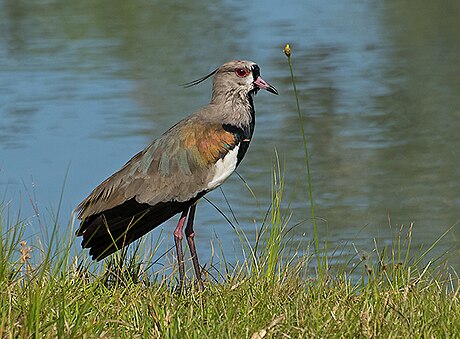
[[111, 230]]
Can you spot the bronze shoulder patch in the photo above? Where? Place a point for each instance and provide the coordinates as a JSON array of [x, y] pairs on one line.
[[210, 142]]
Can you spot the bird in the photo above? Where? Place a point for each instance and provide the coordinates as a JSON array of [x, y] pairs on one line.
[[170, 175]]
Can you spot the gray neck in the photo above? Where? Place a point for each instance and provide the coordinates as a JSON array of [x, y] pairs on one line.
[[236, 108]]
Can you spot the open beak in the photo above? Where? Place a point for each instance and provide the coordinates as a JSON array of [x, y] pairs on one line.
[[262, 84]]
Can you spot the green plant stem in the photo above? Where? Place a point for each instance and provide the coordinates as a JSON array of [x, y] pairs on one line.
[[307, 162]]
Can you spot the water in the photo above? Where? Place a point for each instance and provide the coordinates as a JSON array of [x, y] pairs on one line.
[[84, 86]]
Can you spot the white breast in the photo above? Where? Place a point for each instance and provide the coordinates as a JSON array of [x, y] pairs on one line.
[[224, 167]]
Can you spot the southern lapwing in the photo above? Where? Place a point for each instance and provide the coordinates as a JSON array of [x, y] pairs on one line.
[[171, 174]]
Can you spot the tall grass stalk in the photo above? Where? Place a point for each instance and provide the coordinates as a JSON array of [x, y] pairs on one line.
[[287, 52]]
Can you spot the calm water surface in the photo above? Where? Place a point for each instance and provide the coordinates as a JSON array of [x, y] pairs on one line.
[[85, 86]]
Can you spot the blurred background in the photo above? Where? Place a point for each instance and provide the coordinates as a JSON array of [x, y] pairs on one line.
[[85, 85]]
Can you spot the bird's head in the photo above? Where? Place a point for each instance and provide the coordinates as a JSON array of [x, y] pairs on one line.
[[239, 76], [236, 77]]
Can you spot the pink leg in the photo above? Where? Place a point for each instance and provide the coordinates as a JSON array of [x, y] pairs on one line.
[[190, 234], [178, 236]]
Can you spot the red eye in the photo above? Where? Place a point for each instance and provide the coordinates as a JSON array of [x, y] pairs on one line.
[[242, 72]]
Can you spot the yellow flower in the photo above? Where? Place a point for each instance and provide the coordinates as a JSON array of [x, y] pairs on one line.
[[287, 50]]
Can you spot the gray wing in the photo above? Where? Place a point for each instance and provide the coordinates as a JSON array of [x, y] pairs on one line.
[[176, 167]]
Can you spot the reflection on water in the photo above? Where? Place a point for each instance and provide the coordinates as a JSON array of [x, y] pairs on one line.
[[85, 86]]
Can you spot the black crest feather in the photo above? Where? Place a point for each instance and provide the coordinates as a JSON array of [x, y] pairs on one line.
[[200, 80]]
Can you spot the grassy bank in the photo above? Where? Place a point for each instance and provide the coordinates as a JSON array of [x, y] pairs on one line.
[[46, 291]]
